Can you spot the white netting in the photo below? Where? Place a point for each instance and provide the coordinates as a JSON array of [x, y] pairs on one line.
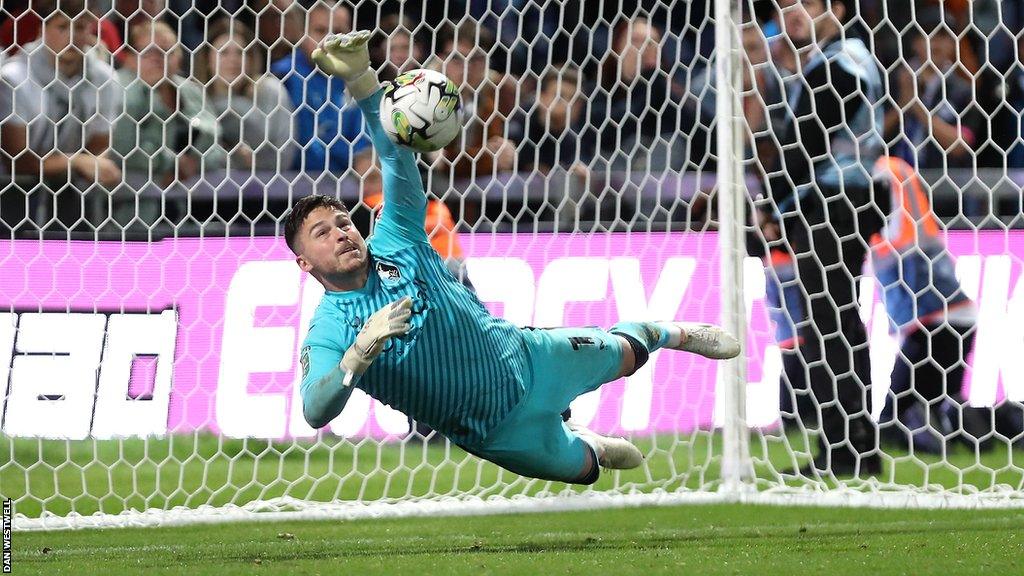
[[150, 313], [888, 136]]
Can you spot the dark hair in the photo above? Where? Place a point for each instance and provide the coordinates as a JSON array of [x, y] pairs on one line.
[[849, 8], [69, 8], [764, 13], [468, 33], [330, 7], [566, 75], [389, 26], [297, 215], [392, 22], [933, 19], [608, 73], [251, 54]]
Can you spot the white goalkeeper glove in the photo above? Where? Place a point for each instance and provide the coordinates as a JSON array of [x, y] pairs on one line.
[[347, 57], [391, 320]]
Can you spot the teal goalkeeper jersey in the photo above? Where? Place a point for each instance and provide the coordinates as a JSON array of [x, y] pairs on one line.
[[459, 370]]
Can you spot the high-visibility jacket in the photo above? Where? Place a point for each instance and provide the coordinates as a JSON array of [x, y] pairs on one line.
[[912, 265], [914, 270]]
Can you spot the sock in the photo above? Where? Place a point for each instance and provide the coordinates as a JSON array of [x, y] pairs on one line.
[[640, 353], [592, 443], [676, 333], [652, 335], [590, 476]]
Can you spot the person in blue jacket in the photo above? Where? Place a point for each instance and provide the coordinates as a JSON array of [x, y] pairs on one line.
[[328, 129]]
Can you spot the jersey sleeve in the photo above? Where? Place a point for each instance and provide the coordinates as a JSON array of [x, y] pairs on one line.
[[323, 393], [405, 201]]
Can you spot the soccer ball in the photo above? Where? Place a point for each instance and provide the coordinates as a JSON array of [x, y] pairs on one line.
[[420, 110]]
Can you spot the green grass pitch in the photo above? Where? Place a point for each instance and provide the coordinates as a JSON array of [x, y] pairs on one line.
[[698, 539], [91, 475], [109, 476]]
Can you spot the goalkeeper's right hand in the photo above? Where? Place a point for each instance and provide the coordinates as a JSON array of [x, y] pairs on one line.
[[347, 57], [391, 320]]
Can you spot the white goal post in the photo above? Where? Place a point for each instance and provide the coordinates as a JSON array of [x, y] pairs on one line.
[[620, 160]]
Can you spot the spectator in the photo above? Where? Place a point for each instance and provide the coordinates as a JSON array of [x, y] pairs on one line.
[[760, 86], [329, 130], [56, 104], [548, 140], [253, 108], [938, 122], [18, 25], [25, 25], [539, 34], [635, 118], [279, 27], [762, 103], [820, 210], [927, 309], [762, 98], [394, 49], [168, 133], [1008, 119], [548, 136], [127, 14], [482, 148], [983, 25]]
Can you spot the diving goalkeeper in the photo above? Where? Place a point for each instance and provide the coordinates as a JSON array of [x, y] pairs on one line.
[[395, 323]]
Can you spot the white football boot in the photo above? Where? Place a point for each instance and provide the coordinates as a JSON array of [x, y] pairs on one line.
[[708, 340], [614, 453]]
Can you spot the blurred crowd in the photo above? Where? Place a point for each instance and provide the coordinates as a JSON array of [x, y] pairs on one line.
[[99, 99]]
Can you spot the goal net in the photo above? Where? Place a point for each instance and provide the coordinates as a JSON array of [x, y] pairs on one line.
[[620, 160]]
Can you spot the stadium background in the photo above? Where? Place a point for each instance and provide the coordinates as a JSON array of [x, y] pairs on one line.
[[181, 292], [663, 181]]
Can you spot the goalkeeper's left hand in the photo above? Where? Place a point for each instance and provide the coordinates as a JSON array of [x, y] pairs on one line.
[[391, 320], [347, 57]]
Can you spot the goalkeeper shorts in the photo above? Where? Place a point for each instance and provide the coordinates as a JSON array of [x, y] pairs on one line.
[[533, 440]]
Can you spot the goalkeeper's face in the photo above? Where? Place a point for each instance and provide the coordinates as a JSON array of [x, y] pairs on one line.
[[331, 248]]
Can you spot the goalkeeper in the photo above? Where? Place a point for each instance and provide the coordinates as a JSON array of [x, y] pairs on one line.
[[395, 323]]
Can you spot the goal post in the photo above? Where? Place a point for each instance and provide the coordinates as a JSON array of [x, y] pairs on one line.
[[151, 315], [732, 203]]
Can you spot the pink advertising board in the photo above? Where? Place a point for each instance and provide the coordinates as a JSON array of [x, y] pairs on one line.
[[109, 339]]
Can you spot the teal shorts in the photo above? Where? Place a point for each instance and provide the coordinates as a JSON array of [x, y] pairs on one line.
[[533, 440]]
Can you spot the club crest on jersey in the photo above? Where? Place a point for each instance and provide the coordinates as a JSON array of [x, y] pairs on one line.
[[304, 360], [388, 272]]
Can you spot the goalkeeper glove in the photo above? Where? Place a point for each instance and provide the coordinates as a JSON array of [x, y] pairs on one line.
[[347, 57], [391, 320]]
